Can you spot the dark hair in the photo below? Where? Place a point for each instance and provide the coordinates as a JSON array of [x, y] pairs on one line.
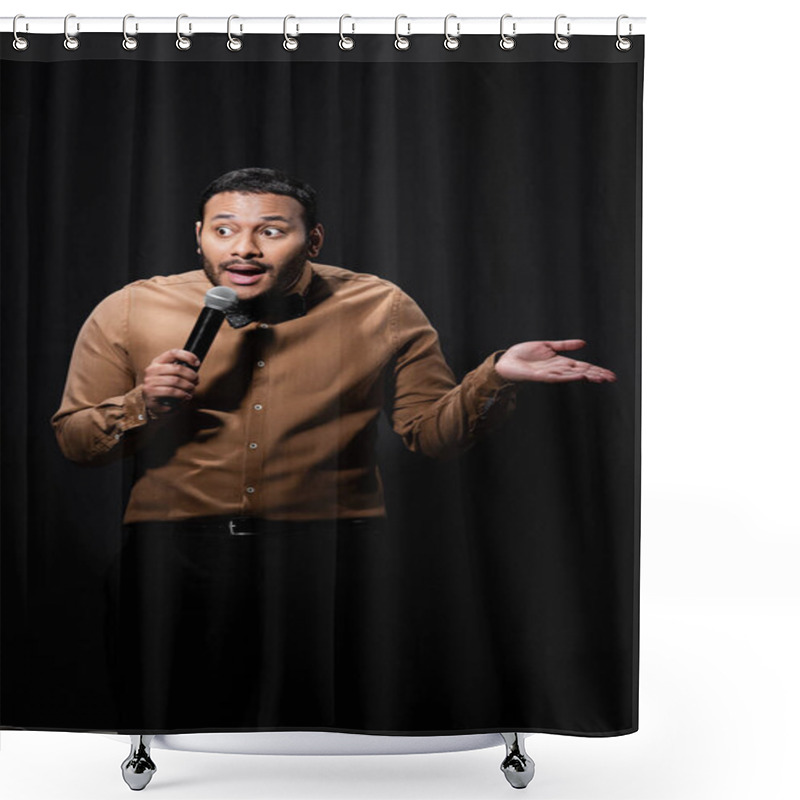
[[261, 180]]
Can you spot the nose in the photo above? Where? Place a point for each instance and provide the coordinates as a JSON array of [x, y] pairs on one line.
[[246, 245]]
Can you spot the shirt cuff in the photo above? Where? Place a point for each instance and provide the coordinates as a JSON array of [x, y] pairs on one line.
[[491, 379], [134, 411]]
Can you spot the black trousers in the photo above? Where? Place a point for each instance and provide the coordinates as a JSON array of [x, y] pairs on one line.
[[264, 631]]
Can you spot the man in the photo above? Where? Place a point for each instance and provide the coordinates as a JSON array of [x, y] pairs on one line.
[[247, 466], [280, 422]]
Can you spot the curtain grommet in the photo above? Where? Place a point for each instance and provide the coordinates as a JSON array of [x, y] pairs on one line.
[[20, 42], [451, 42], [290, 43], [129, 42], [507, 42], [401, 42], [182, 42], [561, 43], [623, 44], [346, 42], [71, 42], [233, 44]]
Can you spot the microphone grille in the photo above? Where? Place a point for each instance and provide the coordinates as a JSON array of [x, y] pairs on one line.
[[221, 298]]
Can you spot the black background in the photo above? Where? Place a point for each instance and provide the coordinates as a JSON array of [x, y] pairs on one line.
[[501, 190]]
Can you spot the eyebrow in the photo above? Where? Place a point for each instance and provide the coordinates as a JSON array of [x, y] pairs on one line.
[[266, 218]]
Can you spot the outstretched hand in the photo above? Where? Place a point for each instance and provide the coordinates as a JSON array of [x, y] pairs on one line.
[[540, 361]]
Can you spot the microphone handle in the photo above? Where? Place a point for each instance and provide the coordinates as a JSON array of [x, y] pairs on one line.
[[199, 342], [204, 331]]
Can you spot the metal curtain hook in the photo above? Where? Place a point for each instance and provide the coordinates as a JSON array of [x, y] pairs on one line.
[[507, 42], [346, 42], [561, 43], [401, 42], [129, 42], [71, 42], [182, 42], [233, 43], [289, 42], [622, 43], [451, 42], [20, 42]]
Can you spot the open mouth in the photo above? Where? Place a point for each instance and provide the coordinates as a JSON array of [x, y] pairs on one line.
[[244, 274]]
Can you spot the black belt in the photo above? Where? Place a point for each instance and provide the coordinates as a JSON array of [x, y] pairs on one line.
[[251, 526]]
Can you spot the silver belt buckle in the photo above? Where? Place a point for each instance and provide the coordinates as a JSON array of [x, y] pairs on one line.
[[232, 523]]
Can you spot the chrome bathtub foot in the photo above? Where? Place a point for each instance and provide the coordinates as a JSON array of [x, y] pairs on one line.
[[517, 766], [138, 768]]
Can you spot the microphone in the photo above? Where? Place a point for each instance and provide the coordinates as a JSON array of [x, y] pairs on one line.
[[217, 301]]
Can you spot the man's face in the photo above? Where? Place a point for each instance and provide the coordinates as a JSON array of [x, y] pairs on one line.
[[255, 243]]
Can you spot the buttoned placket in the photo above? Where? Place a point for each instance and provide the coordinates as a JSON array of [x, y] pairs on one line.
[[255, 430]]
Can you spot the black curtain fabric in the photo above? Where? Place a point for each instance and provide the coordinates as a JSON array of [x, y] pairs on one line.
[[502, 191]]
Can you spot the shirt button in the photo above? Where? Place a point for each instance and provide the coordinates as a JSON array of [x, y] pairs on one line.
[[250, 490], [258, 406], [253, 445], [261, 364]]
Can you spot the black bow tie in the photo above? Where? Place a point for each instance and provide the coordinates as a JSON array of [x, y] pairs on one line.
[[270, 309]]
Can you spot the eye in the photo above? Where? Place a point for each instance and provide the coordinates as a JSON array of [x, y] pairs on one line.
[[271, 231], [223, 230]]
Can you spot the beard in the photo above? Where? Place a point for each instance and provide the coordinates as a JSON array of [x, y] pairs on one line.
[[285, 279]]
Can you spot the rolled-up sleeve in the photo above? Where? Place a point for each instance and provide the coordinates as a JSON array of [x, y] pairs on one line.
[[101, 404]]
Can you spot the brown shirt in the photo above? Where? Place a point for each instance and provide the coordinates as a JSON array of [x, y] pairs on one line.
[[284, 420]]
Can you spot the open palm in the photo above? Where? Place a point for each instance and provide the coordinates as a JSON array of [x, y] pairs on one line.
[[540, 361]]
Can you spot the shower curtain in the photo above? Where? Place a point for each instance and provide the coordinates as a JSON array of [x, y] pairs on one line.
[[500, 190]]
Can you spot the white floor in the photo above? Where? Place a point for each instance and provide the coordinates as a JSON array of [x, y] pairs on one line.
[[719, 696]]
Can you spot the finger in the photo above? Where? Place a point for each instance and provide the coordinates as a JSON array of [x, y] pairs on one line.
[[599, 375], [170, 356], [170, 382], [570, 370], [188, 358], [158, 370], [583, 368], [567, 344], [605, 374], [169, 391]]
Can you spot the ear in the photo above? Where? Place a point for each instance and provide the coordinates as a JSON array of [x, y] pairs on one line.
[[198, 228], [316, 236]]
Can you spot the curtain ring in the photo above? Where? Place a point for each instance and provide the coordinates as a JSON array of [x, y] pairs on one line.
[[401, 42], [71, 42], [508, 42], [182, 42], [129, 42], [20, 42], [622, 43], [234, 44], [346, 42], [289, 42], [451, 42], [561, 43]]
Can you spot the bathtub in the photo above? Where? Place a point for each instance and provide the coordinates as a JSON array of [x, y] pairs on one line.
[[138, 768]]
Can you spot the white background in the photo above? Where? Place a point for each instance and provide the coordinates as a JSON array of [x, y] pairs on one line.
[[720, 601]]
